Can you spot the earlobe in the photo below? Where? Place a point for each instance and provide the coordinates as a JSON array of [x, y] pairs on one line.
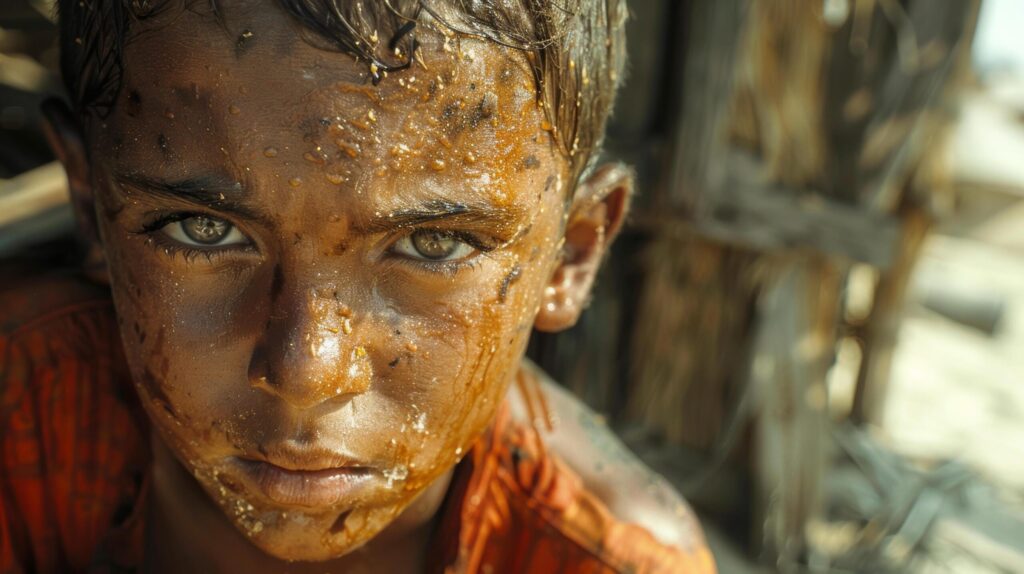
[[596, 216]]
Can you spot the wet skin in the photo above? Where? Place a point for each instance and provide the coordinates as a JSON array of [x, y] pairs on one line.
[[325, 287]]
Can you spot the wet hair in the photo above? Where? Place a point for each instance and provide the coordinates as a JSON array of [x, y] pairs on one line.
[[576, 48]]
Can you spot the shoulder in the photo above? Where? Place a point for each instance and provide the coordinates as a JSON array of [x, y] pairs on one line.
[[592, 488], [51, 319], [67, 417], [631, 491], [30, 295]]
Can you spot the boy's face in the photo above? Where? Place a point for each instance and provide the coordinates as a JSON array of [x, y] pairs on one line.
[[324, 286]]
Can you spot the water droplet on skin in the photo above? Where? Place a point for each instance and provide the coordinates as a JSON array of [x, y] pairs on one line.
[[313, 158], [470, 157], [349, 149], [169, 114], [233, 110], [458, 451], [397, 474], [420, 424], [336, 179], [295, 182], [270, 152], [437, 165]]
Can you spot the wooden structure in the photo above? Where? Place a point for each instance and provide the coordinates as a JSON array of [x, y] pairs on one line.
[[779, 144], [802, 143]]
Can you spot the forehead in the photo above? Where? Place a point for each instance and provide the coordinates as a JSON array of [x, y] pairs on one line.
[[252, 91]]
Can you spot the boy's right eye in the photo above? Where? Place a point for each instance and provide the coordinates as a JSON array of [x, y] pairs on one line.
[[204, 231]]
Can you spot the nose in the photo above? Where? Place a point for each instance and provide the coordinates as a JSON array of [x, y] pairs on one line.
[[309, 353]]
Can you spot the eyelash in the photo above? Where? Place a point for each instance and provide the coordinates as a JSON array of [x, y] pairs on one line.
[[445, 268], [173, 248], [448, 268]]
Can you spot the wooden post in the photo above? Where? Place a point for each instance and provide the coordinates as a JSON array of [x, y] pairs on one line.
[[784, 175], [795, 341]]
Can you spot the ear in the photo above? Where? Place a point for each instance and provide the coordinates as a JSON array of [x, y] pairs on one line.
[[595, 218], [67, 139]]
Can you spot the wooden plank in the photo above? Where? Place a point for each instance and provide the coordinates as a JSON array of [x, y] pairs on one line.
[[712, 45], [955, 532], [766, 216], [794, 347], [33, 193]]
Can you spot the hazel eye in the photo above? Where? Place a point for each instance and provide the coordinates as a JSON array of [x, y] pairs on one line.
[[204, 231], [429, 245]]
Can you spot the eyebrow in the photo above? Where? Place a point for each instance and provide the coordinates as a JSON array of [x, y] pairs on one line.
[[441, 210], [216, 192]]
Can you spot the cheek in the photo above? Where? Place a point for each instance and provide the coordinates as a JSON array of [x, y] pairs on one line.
[[466, 355], [186, 338]]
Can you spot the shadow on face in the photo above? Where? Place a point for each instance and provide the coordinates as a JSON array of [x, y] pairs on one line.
[[315, 273]]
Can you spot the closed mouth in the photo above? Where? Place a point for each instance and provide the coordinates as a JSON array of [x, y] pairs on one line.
[[306, 479]]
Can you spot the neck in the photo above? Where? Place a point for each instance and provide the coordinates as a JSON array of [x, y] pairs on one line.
[[186, 532]]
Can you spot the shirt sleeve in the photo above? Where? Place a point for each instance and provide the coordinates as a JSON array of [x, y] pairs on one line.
[[72, 451]]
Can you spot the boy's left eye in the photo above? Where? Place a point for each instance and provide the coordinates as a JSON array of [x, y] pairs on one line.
[[430, 245], [204, 231]]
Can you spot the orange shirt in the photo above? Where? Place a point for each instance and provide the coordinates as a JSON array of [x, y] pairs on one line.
[[74, 457]]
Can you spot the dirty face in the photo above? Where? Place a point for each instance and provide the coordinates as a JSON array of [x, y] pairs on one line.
[[324, 286]]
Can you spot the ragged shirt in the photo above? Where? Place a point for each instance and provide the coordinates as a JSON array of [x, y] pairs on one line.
[[74, 458]]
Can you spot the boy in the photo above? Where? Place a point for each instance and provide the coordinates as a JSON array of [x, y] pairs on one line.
[[327, 227]]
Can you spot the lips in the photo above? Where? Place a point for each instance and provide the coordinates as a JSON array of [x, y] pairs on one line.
[[305, 478]]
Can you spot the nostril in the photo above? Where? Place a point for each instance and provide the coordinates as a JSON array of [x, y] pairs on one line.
[[262, 384], [259, 369], [305, 380]]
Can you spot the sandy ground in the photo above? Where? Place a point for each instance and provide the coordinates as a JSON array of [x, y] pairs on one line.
[[957, 392]]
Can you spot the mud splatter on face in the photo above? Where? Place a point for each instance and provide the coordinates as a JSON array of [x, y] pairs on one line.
[[364, 295], [244, 42], [507, 282]]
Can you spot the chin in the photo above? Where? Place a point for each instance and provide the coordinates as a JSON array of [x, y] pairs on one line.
[[301, 537]]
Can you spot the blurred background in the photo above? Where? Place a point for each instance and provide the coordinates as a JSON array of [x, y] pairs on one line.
[[814, 321]]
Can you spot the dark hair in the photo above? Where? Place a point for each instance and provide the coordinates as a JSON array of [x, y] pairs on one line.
[[576, 48]]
